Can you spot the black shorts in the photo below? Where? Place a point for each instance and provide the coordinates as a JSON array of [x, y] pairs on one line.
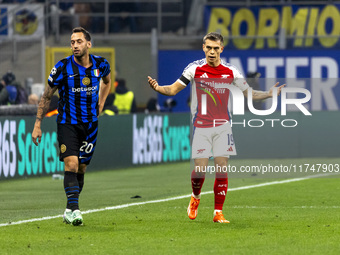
[[77, 140]]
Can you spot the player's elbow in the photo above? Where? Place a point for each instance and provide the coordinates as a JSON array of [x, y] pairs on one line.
[[175, 90], [172, 93], [108, 85]]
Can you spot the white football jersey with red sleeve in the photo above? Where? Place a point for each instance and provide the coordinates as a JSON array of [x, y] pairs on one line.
[[209, 90]]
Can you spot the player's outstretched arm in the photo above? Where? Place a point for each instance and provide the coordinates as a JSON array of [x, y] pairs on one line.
[[270, 92], [168, 90], [105, 87], [261, 95], [43, 106]]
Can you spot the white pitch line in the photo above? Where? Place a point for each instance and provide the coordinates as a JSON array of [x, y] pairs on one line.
[[165, 199], [280, 207]]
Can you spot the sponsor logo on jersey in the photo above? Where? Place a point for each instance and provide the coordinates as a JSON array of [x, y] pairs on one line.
[[82, 89]]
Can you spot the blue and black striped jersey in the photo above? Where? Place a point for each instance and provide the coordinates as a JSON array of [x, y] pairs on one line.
[[78, 88]]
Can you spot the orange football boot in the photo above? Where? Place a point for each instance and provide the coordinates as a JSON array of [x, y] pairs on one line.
[[193, 207], [220, 218]]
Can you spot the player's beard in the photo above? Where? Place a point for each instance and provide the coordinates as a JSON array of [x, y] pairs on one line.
[[80, 54]]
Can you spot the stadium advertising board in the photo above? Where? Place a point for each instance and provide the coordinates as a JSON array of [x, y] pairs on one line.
[[160, 138], [19, 157], [300, 24], [131, 140], [309, 70], [123, 141], [24, 22]]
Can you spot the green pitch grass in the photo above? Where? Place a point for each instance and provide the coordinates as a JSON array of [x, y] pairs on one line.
[[292, 218]]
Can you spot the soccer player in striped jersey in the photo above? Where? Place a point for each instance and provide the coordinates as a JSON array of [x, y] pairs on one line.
[[83, 81], [209, 78]]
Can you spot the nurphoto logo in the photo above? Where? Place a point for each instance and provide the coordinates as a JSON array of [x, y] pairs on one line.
[[211, 93]]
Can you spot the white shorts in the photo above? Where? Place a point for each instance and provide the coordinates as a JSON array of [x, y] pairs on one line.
[[214, 141]]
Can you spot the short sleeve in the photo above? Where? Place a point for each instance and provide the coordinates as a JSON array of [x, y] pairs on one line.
[[188, 74], [239, 80], [56, 76], [104, 68]]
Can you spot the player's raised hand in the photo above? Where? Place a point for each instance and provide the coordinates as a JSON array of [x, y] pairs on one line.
[[278, 89], [153, 83]]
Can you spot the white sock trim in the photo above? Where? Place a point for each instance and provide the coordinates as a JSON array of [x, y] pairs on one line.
[[215, 211], [197, 197]]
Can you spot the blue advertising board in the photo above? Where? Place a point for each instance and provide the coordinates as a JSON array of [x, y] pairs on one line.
[[3, 21]]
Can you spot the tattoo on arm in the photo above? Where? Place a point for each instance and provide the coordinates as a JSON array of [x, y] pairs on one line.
[[256, 93], [259, 95], [167, 90], [45, 102]]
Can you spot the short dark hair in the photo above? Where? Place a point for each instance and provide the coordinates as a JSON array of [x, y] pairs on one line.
[[213, 36], [84, 31]]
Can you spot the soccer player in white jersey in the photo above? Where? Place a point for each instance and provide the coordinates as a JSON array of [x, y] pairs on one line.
[[210, 139]]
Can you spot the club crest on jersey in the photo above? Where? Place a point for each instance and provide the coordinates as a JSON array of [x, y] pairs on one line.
[[86, 81], [96, 72]]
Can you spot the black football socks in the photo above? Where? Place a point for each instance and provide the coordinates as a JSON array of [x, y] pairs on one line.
[[80, 178], [71, 187]]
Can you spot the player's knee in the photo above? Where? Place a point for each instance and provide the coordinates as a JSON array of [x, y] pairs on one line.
[[71, 166], [198, 172], [201, 161], [82, 169], [221, 162]]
